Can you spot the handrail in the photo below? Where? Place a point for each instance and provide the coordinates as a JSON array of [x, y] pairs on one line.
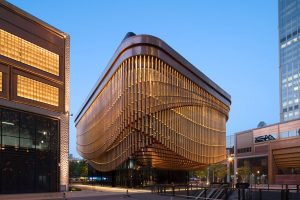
[[197, 192]]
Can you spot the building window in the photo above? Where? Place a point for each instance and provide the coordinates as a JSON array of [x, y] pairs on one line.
[[28, 53], [10, 128], [29, 152], [244, 150], [290, 133], [284, 103], [284, 80], [282, 40], [37, 91], [27, 131], [43, 134]]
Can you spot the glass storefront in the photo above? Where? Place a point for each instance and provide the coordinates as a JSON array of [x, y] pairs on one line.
[[258, 170], [131, 174], [29, 152]]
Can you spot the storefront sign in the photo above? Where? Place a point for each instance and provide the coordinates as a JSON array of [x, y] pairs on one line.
[[264, 138]]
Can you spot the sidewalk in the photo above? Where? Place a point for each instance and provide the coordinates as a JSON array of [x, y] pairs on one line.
[[111, 190], [33, 196], [87, 191]]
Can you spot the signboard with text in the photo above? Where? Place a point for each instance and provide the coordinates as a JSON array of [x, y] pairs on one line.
[[264, 138]]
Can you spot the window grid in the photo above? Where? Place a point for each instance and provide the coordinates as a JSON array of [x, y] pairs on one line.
[[28, 53], [38, 91]]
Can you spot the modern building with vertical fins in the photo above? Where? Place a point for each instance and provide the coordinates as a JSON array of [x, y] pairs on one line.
[[34, 104], [289, 58], [152, 112]]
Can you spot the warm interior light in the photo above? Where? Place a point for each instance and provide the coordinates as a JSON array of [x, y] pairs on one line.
[[37, 91], [28, 53]]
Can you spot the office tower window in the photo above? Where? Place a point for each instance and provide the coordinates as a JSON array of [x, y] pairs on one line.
[[289, 26]]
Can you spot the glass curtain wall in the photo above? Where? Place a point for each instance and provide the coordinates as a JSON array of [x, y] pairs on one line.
[[29, 152], [289, 37]]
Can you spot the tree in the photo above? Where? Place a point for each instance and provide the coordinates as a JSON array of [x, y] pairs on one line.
[[202, 173], [221, 171], [244, 173], [84, 170], [78, 168]]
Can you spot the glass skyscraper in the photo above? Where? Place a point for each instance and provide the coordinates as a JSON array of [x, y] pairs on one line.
[[289, 49]]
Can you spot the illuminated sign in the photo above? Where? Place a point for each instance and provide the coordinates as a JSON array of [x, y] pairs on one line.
[[264, 138]]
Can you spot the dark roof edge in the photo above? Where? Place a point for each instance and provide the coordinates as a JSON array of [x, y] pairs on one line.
[[145, 39], [275, 124], [27, 15]]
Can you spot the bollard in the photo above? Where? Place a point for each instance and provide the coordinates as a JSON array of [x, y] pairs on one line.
[[239, 194], [260, 194], [226, 193], [287, 195], [286, 186], [173, 190], [187, 191], [64, 196], [297, 188], [205, 192], [282, 195], [243, 194]]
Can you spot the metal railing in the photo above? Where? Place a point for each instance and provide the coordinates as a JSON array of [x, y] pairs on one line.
[[223, 191], [191, 191]]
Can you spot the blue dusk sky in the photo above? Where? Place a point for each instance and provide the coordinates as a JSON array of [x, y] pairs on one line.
[[233, 42]]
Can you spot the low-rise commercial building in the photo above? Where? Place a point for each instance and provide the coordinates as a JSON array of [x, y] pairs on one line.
[[272, 153]]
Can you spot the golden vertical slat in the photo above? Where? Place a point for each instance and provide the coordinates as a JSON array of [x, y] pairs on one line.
[[152, 112]]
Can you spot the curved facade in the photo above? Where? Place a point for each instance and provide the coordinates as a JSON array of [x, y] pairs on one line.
[[153, 105]]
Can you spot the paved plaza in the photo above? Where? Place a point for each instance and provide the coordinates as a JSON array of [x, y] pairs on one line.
[[91, 193]]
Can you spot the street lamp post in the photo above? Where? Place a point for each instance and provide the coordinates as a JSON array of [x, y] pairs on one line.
[[229, 159]]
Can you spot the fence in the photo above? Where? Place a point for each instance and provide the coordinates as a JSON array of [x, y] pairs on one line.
[[225, 191]]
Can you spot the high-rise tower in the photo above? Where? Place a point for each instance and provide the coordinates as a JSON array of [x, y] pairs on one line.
[[289, 49]]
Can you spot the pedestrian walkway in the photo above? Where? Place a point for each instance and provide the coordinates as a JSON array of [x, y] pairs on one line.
[[33, 196], [111, 190], [88, 192]]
